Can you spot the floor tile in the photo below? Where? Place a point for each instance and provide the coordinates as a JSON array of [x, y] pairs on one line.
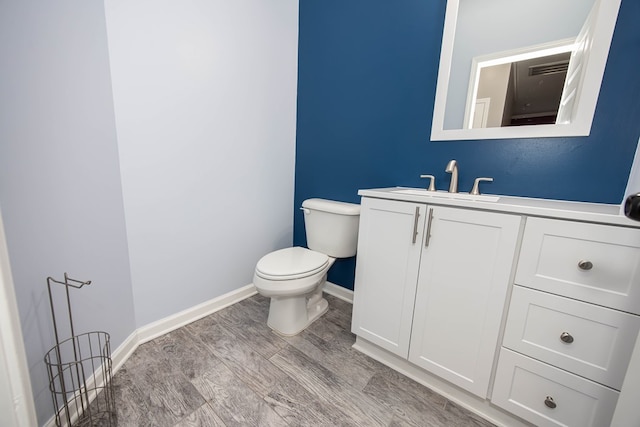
[[233, 401], [230, 369], [409, 402], [204, 416], [460, 417], [330, 387], [241, 358], [299, 407]]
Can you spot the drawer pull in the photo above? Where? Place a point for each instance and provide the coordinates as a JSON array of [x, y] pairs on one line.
[[549, 402], [585, 265], [566, 337]]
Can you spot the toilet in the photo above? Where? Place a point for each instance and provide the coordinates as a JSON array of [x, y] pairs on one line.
[[294, 277]]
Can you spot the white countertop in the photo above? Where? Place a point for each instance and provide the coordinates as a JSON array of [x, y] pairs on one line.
[[562, 209]]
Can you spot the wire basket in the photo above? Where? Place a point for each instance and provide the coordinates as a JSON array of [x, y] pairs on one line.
[[80, 372]]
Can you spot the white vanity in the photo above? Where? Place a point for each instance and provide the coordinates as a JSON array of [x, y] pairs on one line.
[[522, 310]]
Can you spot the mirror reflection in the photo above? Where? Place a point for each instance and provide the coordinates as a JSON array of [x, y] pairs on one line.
[[514, 69], [516, 92]]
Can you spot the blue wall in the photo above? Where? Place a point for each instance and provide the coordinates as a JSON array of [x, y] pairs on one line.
[[367, 74]]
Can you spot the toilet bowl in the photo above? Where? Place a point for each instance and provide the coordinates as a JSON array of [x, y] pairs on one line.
[[294, 277]]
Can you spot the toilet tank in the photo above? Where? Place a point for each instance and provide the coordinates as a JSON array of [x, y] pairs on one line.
[[331, 227]]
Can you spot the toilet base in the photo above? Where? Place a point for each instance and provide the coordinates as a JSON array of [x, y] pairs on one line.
[[289, 316]]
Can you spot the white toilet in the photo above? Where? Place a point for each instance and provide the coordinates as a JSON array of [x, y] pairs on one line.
[[293, 277]]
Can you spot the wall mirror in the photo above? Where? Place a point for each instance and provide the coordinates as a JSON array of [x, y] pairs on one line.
[[521, 69]]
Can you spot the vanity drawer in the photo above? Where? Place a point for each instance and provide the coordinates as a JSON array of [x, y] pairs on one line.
[[548, 396], [588, 340], [590, 262]]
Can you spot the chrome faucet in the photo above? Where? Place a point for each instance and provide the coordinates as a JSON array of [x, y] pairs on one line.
[[452, 168]]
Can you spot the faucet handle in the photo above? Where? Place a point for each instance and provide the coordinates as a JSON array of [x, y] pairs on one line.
[[432, 183], [476, 185]]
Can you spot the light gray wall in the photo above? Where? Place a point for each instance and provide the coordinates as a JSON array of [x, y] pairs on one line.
[[205, 98], [491, 26], [205, 101], [60, 191]]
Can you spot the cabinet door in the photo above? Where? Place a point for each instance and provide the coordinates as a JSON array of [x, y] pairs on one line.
[[464, 275], [389, 245]]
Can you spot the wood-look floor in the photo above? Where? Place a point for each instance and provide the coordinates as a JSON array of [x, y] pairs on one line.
[[230, 369]]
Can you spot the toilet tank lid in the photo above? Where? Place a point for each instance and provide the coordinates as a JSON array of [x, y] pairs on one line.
[[332, 206]]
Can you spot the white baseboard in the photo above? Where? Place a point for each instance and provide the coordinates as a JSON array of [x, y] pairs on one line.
[[178, 320], [124, 351], [338, 292], [159, 328]]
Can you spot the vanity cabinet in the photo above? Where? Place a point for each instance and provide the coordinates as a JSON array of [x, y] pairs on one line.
[[431, 284], [526, 311]]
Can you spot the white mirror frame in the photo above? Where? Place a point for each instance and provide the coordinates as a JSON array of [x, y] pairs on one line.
[[588, 96]]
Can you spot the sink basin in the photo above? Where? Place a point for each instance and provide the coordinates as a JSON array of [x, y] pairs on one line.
[[447, 195]]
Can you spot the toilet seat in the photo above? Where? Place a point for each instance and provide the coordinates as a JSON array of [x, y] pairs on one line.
[[291, 263]]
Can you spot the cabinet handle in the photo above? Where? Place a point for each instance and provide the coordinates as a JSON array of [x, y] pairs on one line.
[[415, 223], [566, 337], [550, 403], [585, 265], [428, 233]]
